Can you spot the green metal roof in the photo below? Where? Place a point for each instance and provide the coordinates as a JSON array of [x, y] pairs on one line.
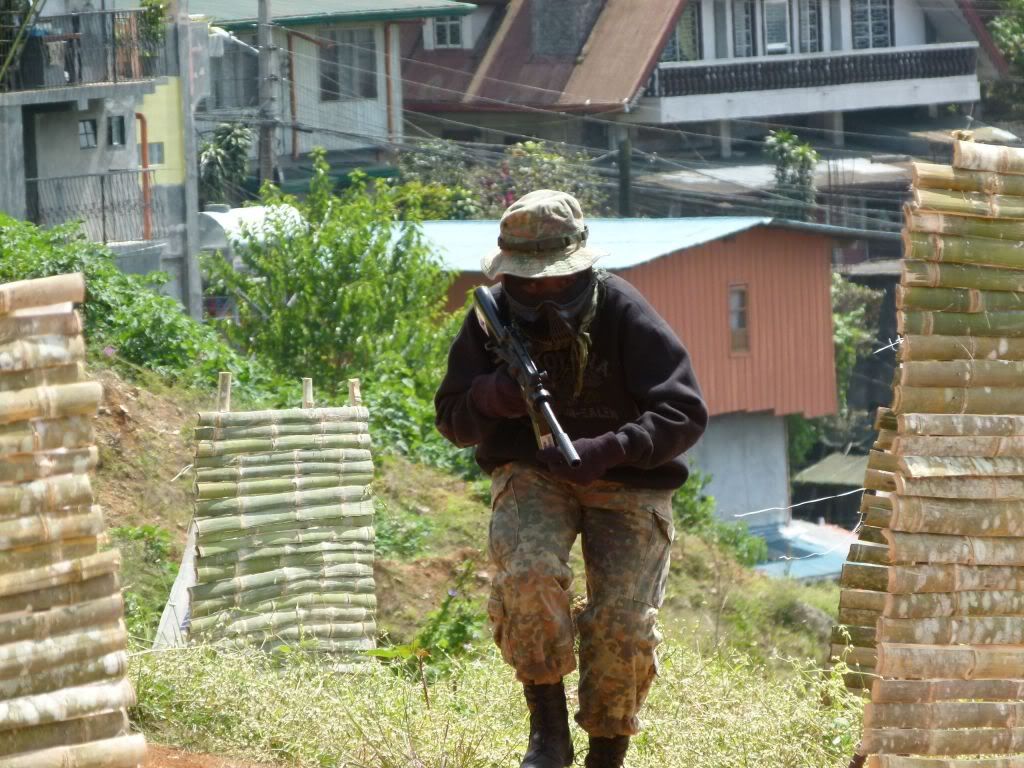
[[292, 13], [835, 469]]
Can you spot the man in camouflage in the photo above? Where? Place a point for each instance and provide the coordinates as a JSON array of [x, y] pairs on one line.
[[624, 390]]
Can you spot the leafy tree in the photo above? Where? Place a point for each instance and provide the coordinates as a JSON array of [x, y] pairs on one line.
[[495, 183], [1007, 27], [224, 163], [794, 173]]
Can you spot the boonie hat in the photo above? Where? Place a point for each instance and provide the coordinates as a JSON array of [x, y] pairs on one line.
[[542, 235]]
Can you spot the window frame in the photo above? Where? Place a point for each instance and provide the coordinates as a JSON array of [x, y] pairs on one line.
[[330, 67], [776, 49], [151, 150], [448, 23], [750, 12], [673, 49], [117, 120], [739, 337], [888, 8], [91, 130], [809, 20]]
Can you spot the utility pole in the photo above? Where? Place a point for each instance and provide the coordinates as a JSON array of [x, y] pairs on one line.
[[625, 161], [267, 92]]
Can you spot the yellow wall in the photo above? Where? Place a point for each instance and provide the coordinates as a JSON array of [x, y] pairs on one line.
[[165, 121]]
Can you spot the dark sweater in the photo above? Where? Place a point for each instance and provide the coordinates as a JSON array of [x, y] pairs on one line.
[[638, 383]]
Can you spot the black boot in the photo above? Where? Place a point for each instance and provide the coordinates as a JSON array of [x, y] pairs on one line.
[[607, 752], [550, 742]]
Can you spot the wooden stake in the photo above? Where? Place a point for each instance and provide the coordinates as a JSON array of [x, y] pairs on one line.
[[307, 393], [355, 397], [224, 391]]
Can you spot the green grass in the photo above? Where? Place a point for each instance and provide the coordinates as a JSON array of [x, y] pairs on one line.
[[705, 711]]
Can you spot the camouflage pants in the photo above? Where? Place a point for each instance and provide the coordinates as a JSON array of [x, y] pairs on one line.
[[627, 533]]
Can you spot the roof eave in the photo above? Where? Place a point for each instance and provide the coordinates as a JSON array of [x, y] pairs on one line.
[[454, 9], [846, 233]]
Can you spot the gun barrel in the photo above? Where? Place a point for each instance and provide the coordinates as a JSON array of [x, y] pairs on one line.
[[562, 440]]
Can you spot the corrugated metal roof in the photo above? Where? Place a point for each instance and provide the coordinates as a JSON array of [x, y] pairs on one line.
[[628, 242], [835, 469], [806, 551], [288, 12]]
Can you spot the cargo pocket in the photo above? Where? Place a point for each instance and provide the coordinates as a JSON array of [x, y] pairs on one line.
[[652, 574], [503, 530]]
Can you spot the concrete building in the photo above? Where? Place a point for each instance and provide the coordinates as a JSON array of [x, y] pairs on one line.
[[82, 89], [340, 74]]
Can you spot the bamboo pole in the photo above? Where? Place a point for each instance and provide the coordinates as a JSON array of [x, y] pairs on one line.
[[954, 604], [239, 474], [66, 704], [239, 524], [960, 425], [43, 555], [927, 691], [305, 535], [930, 274], [278, 552], [915, 347], [958, 400], [355, 397], [82, 730], [978, 204], [112, 666], [17, 327], [853, 655], [121, 752], [31, 656], [41, 352], [979, 741], [319, 632], [206, 573], [943, 715], [39, 625], [925, 662], [300, 477], [43, 377], [982, 517], [238, 622], [20, 468], [285, 416], [862, 599], [960, 550], [43, 527], [871, 554], [54, 574], [962, 373], [882, 461], [884, 440], [984, 447], [996, 488], [932, 176], [854, 635], [946, 577], [855, 617], [319, 589], [46, 495], [253, 581], [224, 391], [999, 324], [251, 466], [884, 417], [307, 393], [984, 251], [42, 292], [207, 449], [76, 592], [961, 226], [875, 480], [972, 156], [46, 435], [959, 466], [310, 597], [950, 630], [220, 434], [51, 402]]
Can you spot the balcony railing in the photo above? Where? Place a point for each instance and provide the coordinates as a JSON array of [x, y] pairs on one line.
[[813, 70], [81, 48], [114, 207]]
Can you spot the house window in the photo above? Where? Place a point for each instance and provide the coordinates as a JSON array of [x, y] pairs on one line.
[[739, 333], [685, 42], [348, 65], [776, 27], [809, 14], [744, 41], [86, 134], [872, 23], [448, 32], [156, 153], [115, 131]]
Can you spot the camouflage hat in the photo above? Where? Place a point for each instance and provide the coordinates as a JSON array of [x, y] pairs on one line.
[[542, 235]]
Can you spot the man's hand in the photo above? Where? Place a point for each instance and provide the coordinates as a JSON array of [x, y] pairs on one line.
[[597, 456], [497, 395]]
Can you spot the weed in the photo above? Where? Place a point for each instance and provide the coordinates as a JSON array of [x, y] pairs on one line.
[[148, 569]]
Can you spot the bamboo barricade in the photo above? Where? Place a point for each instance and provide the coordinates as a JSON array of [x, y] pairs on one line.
[[931, 614], [64, 691], [283, 526]]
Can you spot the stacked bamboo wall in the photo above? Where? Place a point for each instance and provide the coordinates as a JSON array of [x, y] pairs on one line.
[[63, 660], [284, 526], [933, 592]]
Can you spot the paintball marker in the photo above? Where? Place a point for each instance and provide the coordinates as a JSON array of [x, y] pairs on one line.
[[510, 348]]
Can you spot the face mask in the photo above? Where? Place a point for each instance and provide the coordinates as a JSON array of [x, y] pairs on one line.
[[558, 310]]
